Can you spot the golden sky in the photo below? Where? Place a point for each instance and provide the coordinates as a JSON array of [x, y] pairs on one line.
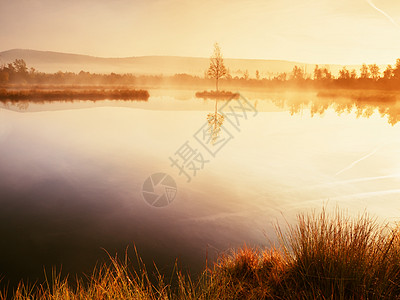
[[314, 31]]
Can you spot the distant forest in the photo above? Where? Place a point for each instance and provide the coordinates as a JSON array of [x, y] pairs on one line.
[[368, 77]]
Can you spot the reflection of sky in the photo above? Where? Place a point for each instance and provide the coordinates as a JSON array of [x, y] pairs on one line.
[[75, 175]]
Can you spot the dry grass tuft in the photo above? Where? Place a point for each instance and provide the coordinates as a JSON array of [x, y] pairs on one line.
[[323, 256]]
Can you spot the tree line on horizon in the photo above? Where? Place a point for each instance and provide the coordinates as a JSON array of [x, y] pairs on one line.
[[369, 76]]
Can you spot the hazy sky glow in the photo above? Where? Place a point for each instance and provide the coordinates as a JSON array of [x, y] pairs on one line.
[[314, 31]]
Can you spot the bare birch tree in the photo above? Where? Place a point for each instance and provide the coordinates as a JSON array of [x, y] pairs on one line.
[[217, 69]]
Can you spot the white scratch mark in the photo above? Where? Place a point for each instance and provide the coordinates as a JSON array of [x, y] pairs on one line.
[[357, 161], [343, 198], [383, 13], [354, 180]]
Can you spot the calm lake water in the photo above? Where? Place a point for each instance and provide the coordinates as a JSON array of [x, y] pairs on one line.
[[72, 175]]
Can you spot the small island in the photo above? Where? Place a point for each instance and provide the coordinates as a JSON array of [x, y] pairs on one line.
[[217, 70], [74, 94]]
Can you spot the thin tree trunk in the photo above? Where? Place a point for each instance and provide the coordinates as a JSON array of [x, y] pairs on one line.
[[216, 114]]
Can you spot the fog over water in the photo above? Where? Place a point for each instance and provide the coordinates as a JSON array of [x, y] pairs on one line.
[[72, 175]]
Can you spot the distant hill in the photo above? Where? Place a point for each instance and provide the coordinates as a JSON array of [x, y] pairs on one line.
[[51, 62]]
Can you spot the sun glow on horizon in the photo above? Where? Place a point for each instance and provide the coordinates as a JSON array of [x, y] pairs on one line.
[[324, 32]]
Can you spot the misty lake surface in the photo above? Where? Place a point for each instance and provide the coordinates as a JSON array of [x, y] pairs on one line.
[[72, 175]]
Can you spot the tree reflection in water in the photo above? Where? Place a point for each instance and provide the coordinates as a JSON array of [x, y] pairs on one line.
[[215, 121], [362, 104]]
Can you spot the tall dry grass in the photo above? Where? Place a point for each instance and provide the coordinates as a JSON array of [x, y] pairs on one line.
[[323, 256], [339, 257]]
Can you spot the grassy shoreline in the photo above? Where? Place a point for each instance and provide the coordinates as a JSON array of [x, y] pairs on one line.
[[323, 256], [92, 94]]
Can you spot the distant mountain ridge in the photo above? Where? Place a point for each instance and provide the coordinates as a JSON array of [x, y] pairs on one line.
[[51, 62]]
